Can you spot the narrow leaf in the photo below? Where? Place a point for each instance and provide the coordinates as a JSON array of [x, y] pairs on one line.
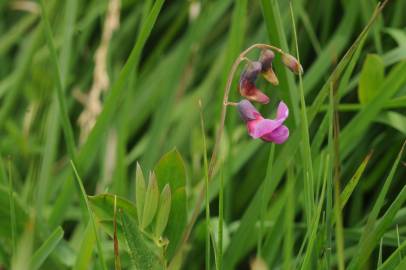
[[140, 190], [163, 211], [372, 75], [46, 248], [151, 201], [349, 188], [117, 263], [171, 170]]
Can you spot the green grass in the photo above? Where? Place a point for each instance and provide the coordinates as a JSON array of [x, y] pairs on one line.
[[331, 197]]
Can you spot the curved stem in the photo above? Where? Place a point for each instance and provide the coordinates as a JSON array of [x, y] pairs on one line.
[[216, 148]]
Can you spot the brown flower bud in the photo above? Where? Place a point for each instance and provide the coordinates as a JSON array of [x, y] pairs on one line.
[[266, 59], [292, 63]]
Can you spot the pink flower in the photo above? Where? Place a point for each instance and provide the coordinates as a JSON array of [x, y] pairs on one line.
[[247, 83], [270, 130]]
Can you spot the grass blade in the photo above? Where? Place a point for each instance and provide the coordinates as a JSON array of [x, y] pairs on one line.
[[366, 244], [91, 217], [46, 248]]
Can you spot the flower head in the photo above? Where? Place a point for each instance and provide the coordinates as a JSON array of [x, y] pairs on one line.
[[247, 83], [270, 130], [266, 59]]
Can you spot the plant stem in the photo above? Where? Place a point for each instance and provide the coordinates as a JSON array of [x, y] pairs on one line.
[[208, 228], [216, 148]]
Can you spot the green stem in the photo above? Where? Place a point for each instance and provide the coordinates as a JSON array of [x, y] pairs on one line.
[[207, 201]]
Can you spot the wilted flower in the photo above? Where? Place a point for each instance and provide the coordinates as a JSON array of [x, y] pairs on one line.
[[270, 130], [266, 59], [247, 83], [292, 63]]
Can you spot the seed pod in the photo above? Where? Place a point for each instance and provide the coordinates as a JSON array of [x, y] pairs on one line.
[[292, 63]]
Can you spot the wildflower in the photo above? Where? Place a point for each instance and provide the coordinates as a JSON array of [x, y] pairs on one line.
[[247, 83], [266, 59], [292, 63], [270, 130]]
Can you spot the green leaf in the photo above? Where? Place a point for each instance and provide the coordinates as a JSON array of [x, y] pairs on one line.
[[84, 257], [20, 214], [163, 211], [142, 254], [371, 78], [393, 119], [139, 192], [46, 248], [23, 254], [103, 206], [171, 170], [349, 188], [91, 217], [372, 233], [151, 201]]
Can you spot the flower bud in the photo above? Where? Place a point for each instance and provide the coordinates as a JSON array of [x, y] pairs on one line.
[[252, 71], [247, 83], [247, 110], [292, 63], [266, 59]]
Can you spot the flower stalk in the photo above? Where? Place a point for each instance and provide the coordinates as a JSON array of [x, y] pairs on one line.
[[242, 57]]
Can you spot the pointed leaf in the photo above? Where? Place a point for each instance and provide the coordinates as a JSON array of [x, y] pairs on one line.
[[163, 212], [371, 78], [151, 201], [103, 206], [171, 170], [20, 213], [139, 192], [349, 188], [46, 248]]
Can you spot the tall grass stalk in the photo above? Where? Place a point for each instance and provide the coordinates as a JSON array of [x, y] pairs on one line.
[[264, 202], [305, 146], [91, 218], [206, 179], [13, 220]]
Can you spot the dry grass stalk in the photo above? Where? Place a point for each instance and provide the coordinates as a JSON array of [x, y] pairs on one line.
[[91, 102]]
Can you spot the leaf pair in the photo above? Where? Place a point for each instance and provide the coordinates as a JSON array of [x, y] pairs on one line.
[[147, 201]]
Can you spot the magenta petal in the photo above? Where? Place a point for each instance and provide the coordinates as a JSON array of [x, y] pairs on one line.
[[261, 127], [282, 112], [247, 110], [278, 136]]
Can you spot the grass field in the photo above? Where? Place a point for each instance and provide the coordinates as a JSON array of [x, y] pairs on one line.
[[121, 147]]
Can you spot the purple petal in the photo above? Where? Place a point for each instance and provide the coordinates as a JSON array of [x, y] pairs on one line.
[[278, 136], [251, 72], [282, 112], [261, 127], [247, 110], [251, 92], [266, 59]]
